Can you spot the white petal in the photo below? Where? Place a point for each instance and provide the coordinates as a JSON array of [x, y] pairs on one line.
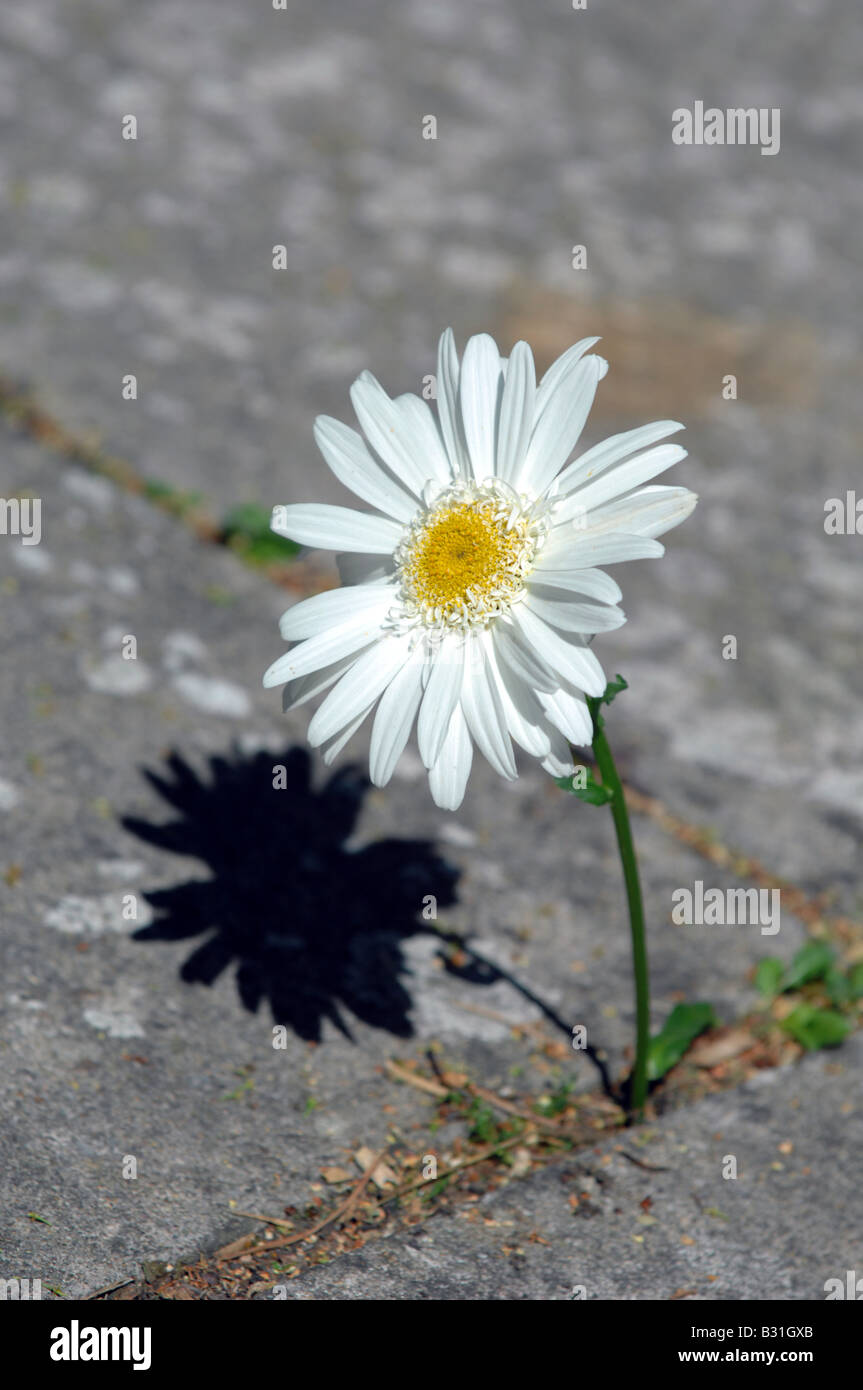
[[307, 687], [334, 607], [447, 405], [558, 428], [620, 479], [483, 709], [516, 412], [441, 697], [392, 429], [594, 583], [558, 369], [322, 650], [650, 512], [599, 545], [335, 746], [448, 777], [571, 615], [337, 528], [575, 663], [560, 762], [569, 713], [517, 656], [359, 686], [479, 396], [394, 719], [421, 429], [522, 711], [612, 450], [349, 458]]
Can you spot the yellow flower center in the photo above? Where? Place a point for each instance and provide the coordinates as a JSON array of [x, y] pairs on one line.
[[464, 561], [463, 550]]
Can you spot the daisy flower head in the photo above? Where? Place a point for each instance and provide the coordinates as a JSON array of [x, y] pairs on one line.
[[472, 591]]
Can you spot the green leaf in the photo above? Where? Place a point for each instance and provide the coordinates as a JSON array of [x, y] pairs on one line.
[[266, 549], [681, 1028], [768, 976], [247, 519], [838, 985], [855, 981], [815, 1028], [613, 688], [595, 702], [593, 792], [246, 529], [811, 962]]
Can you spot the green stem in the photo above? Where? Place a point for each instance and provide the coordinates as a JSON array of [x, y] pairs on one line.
[[611, 779]]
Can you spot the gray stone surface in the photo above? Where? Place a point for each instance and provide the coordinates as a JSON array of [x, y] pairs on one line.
[[154, 257], [777, 1231], [304, 127], [85, 1000]]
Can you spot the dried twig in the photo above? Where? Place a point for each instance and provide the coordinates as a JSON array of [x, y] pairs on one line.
[[435, 1065], [422, 1083], [270, 1220], [639, 1163], [556, 1127], [109, 1288], [452, 1171], [342, 1213]]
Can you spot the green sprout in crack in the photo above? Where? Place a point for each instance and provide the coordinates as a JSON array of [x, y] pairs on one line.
[[170, 498], [555, 1102], [828, 994], [484, 1128], [246, 1086], [246, 530]]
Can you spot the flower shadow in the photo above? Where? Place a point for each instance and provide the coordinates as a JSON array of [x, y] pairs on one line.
[[315, 927]]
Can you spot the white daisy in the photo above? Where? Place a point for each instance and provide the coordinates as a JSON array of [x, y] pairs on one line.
[[473, 590]]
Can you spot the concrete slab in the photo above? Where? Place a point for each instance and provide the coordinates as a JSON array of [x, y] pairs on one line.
[[601, 1227], [153, 794], [154, 257]]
